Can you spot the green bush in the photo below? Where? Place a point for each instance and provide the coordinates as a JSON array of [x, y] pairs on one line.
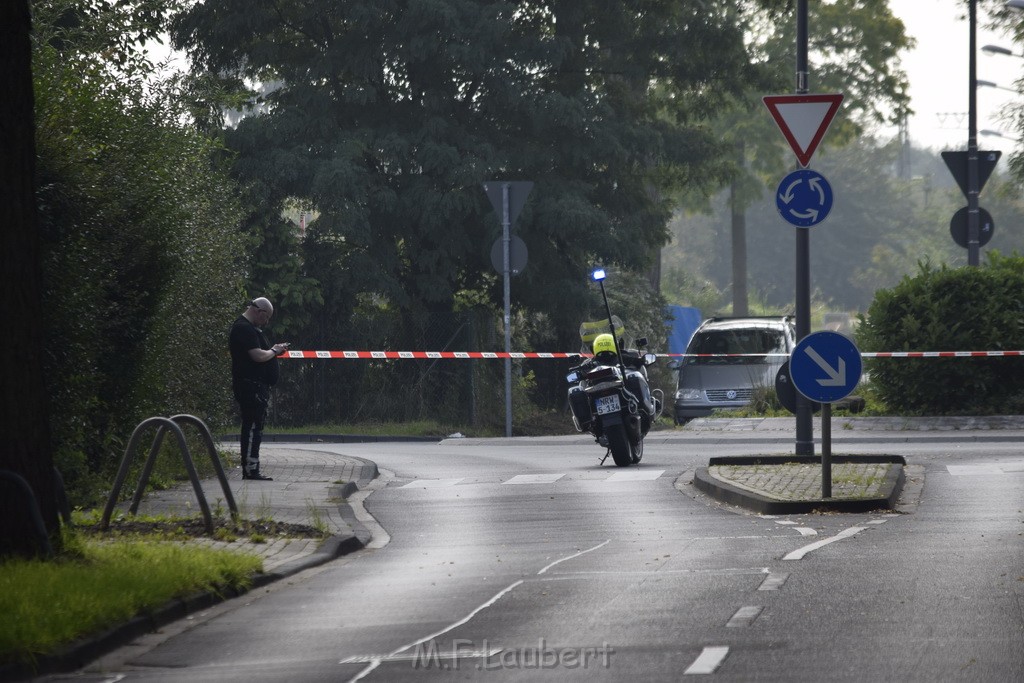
[[945, 309]]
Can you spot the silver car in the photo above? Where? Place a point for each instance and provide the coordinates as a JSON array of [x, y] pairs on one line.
[[727, 360]]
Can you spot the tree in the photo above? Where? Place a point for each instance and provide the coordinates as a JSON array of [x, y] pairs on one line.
[[854, 47], [143, 261], [386, 118], [26, 451]]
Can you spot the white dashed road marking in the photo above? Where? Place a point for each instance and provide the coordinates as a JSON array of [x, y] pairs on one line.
[[636, 475], [535, 478], [543, 478], [709, 660], [774, 581], [962, 470], [430, 483], [745, 616]]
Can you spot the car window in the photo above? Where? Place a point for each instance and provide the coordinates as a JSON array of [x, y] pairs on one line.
[[736, 341]]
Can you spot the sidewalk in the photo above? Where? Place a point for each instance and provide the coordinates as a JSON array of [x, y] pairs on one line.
[[308, 488]]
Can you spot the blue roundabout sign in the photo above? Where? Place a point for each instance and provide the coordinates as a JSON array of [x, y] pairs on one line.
[[804, 198]]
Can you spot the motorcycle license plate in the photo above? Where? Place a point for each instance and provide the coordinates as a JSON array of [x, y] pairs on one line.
[[607, 404]]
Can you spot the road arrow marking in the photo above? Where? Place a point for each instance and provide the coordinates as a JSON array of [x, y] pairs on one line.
[[800, 553], [837, 377]]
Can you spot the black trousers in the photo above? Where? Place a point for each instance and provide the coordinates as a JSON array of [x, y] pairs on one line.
[[252, 398]]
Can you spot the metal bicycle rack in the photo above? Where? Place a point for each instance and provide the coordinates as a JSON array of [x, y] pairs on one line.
[[173, 425]]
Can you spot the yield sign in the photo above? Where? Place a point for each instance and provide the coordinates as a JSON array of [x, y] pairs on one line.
[[803, 119]]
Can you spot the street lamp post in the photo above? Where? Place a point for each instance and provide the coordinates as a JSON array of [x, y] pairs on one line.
[[973, 244]]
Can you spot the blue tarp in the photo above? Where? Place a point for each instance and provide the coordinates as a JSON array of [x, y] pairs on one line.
[[685, 321]]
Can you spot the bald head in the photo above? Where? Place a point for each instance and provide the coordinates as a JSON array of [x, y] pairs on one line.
[[259, 311]]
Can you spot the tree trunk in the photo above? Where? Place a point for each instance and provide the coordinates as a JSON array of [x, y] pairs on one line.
[[25, 449]]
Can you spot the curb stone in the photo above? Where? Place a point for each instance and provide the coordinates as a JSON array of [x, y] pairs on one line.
[[764, 503]]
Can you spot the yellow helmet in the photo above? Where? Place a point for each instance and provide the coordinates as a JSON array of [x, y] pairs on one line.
[[604, 343]]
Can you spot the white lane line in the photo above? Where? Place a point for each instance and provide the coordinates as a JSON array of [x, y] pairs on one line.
[[431, 483], [564, 576], [708, 661], [636, 475], [774, 581], [799, 553], [571, 557], [987, 468], [745, 616], [377, 661], [962, 470], [535, 478]]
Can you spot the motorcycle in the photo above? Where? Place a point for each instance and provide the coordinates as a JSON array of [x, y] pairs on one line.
[[613, 401], [611, 398]]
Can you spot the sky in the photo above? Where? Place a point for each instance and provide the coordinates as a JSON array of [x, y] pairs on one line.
[[939, 75]]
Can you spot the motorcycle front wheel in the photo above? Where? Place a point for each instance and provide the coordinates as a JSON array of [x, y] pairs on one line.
[[618, 443]]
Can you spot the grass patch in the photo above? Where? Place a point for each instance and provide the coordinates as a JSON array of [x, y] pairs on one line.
[[106, 577], [99, 583], [144, 528]]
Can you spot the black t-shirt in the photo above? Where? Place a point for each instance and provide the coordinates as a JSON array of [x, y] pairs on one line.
[[245, 336]]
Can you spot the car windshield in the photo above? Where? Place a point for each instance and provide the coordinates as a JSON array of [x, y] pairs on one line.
[[732, 342]]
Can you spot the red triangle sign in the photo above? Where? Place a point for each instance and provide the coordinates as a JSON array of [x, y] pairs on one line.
[[803, 119]]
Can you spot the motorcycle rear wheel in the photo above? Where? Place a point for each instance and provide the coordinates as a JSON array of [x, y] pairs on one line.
[[618, 443], [638, 451]]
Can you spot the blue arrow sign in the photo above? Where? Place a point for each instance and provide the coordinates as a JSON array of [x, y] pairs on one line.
[[804, 198], [825, 366]]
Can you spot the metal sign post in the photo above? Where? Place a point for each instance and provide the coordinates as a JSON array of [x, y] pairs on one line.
[[825, 367], [803, 119], [507, 198]]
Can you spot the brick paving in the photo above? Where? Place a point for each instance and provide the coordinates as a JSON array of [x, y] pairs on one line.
[[800, 481]]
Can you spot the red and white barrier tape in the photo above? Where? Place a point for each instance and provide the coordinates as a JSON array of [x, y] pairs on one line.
[[941, 354], [490, 355], [394, 355]]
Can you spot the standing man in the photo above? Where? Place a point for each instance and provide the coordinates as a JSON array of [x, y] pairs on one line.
[[253, 371]]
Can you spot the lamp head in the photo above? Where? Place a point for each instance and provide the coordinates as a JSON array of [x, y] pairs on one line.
[[996, 50], [598, 274]]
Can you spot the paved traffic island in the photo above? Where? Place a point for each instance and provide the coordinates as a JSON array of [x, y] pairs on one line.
[[791, 484]]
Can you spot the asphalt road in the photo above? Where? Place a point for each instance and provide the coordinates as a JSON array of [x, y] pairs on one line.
[[525, 560]]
